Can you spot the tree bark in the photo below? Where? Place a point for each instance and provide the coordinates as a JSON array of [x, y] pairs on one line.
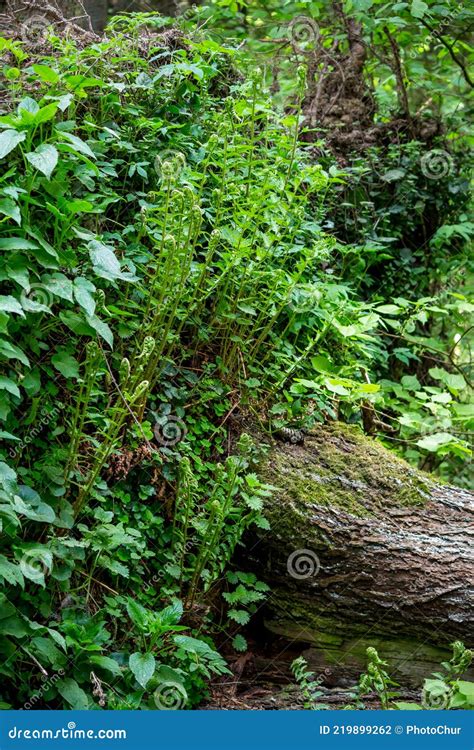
[[365, 550]]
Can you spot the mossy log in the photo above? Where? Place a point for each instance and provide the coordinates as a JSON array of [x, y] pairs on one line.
[[365, 550]]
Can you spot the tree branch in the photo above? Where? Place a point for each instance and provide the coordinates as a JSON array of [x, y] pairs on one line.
[[451, 51]]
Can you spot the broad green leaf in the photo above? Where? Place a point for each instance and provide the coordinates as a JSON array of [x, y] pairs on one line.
[[9, 208], [101, 328], [389, 309], [17, 243], [466, 688], [11, 573], [418, 8], [28, 105], [137, 614], [432, 443], [46, 73], [105, 263], [66, 364], [73, 694], [44, 159], [9, 139], [83, 292], [78, 144], [7, 476], [9, 385], [60, 286], [105, 662], [10, 304], [10, 351], [45, 114], [46, 647], [143, 667], [172, 614]]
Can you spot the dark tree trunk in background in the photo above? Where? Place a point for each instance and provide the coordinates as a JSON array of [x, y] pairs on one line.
[[97, 10]]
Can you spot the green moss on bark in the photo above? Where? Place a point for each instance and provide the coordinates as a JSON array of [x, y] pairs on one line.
[[339, 467]]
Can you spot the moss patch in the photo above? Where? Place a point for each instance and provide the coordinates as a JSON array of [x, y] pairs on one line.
[[339, 467]]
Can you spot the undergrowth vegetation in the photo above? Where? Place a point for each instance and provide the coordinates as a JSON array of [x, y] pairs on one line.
[[175, 285], [444, 690]]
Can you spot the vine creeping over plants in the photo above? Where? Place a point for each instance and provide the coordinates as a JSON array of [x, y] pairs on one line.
[[168, 280]]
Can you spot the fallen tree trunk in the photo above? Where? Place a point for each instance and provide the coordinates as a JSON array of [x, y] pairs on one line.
[[365, 550]]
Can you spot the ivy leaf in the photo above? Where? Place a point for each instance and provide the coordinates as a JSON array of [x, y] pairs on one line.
[[44, 159], [8, 140], [143, 667]]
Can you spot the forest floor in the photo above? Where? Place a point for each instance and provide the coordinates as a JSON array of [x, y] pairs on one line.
[[262, 681]]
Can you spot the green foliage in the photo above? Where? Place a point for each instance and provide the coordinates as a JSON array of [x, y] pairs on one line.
[[376, 679], [308, 685], [171, 256], [444, 690]]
